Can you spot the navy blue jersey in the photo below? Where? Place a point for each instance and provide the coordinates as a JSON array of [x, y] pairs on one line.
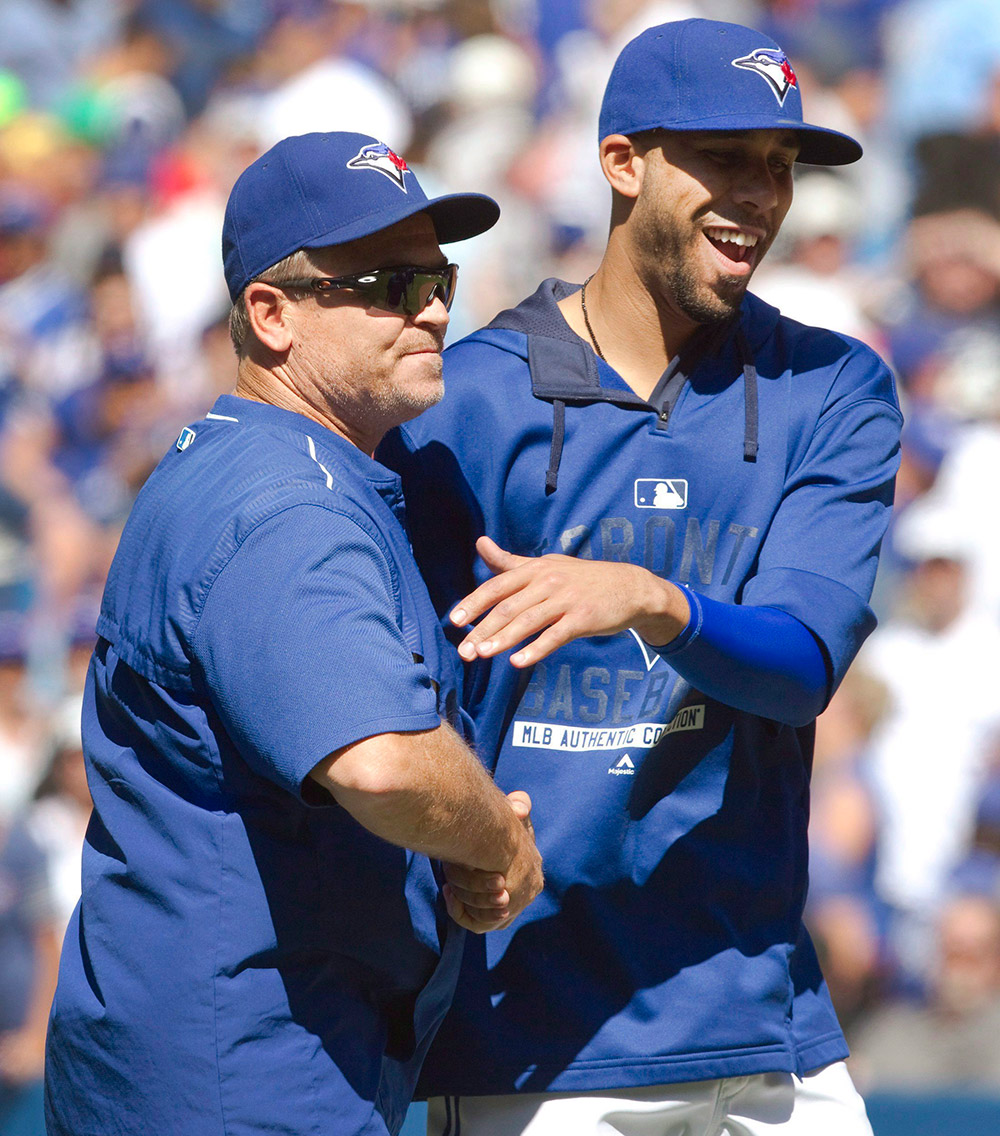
[[668, 944], [246, 957]]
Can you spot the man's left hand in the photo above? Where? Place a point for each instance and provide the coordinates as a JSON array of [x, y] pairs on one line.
[[559, 598]]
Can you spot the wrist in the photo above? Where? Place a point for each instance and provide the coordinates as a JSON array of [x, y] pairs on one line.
[[666, 613]]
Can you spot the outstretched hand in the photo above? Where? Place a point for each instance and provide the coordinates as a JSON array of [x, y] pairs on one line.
[[559, 598]]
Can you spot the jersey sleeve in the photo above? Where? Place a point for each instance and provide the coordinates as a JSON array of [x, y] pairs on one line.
[[756, 659], [819, 557], [301, 648]]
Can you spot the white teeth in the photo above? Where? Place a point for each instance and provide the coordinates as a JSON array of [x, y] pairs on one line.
[[733, 236]]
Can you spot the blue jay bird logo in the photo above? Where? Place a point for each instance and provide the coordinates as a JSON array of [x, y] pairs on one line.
[[773, 66], [378, 156]]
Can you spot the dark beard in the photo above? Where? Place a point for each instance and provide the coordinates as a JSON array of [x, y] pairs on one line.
[[702, 306], [666, 273]]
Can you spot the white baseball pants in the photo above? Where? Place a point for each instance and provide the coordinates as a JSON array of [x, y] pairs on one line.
[[823, 1103]]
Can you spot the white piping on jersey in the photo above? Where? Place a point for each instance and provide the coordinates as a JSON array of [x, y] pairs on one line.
[[221, 417], [312, 454]]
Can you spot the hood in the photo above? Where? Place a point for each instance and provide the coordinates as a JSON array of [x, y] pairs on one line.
[[564, 369]]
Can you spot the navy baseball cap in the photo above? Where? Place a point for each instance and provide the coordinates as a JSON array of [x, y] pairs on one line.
[[709, 75], [313, 190]]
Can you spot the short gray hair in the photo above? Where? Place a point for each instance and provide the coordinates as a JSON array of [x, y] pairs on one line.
[[299, 263]]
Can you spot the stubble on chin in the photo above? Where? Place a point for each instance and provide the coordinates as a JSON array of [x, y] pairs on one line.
[[406, 395], [703, 304], [670, 272]]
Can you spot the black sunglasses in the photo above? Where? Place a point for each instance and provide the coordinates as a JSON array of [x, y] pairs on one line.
[[406, 288]]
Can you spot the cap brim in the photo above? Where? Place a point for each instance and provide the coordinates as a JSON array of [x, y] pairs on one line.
[[822, 147], [455, 217], [458, 216], [819, 145]]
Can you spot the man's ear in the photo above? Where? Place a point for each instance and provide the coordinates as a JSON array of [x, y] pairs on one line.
[[268, 310], [623, 165]]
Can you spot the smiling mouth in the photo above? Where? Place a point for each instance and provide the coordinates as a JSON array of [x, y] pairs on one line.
[[734, 244]]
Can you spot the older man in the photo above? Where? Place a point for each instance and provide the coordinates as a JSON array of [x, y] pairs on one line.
[[709, 482], [269, 713]]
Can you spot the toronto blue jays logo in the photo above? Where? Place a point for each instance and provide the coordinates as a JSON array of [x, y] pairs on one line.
[[773, 66], [378, 156]]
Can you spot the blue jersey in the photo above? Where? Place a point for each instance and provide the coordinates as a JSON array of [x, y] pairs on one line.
[[246, 957], [668, 944]]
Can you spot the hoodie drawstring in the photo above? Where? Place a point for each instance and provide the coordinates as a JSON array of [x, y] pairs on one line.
[[555, 451], [750, 428]]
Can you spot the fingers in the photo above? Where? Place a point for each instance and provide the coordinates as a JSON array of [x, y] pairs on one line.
[[551, 639], [474, 879], [479, 900], [520, 802], [486, 595], [511, 622], [554, 597], [473, 919], [491, 902], [486, 892], [554, 633], [496, 558]]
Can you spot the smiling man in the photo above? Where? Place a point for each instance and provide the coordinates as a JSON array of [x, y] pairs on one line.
[[680, 496], [271, 725]]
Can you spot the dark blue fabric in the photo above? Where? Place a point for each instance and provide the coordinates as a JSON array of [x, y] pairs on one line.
[[668, 943], [756, 659], [245, 956]]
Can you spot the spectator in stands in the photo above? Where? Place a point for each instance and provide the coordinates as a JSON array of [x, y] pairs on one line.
[[940, 660], [979, 870], [30, 936], [950, 1040], [816, 283], [843, 912]]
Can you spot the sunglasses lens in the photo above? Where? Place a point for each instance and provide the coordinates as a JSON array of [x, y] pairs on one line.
[[408, 290], [393, 291], [422, 287]]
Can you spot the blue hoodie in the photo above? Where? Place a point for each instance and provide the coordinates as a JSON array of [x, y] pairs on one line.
[[668, 944]]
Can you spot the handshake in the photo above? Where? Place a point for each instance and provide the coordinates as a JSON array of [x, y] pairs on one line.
[[482, 900]]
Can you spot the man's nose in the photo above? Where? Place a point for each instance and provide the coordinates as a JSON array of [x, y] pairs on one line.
[[435, 314], [757, 185]]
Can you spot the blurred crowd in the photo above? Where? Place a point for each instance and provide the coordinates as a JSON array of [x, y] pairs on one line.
[[123, 124]]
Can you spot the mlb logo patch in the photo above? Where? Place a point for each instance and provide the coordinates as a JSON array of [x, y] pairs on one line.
[[185, 438], [661, 493]]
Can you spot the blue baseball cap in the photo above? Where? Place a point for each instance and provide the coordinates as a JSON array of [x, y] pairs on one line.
[[709, 75], [313, 190]]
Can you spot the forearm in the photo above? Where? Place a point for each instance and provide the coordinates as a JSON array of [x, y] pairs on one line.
[[758, 659], [426, 791]]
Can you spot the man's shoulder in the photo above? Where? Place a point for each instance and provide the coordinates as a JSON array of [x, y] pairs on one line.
[[249, 469], [505, 339], [223, 481], [802, 346], [500, 350], [837, 368], [200, 505]]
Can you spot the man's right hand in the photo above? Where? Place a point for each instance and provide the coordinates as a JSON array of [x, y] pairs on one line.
[[488, 901]]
